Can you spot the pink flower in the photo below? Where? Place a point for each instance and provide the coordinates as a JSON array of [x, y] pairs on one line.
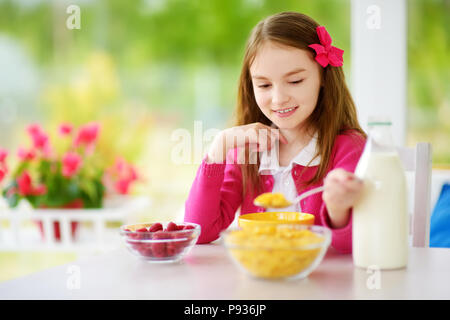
[[87, 134], [65, 129], [2, 174], [126, 175], [325, 52], [3, 155], [3, 166], [24, 183], [38, 136], [34, 129], [71, 164], [124, 169], [26, 155], [40, 190], [26, 187], [122, 186], [120, 176]]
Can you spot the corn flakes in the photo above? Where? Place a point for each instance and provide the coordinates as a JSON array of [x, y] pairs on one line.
[[274, 251], [272, 200]]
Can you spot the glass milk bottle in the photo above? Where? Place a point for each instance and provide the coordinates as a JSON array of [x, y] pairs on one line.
[[380, 217]]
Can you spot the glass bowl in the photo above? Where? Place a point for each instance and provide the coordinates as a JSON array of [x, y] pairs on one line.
[[162, 245], [285, 251]]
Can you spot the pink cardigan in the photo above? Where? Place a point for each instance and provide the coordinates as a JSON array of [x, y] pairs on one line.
[[216, 193]]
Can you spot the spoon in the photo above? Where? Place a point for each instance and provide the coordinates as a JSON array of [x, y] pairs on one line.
[[277, 200]]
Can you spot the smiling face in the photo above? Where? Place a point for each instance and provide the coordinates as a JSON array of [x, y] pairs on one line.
[[286, 84]]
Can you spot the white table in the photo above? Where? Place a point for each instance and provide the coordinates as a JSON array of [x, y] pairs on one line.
[[208, 273]]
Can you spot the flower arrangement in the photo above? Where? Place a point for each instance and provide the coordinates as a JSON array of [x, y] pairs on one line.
[[48, 179]]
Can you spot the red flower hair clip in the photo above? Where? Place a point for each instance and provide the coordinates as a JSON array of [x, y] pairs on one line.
[[325, 52]]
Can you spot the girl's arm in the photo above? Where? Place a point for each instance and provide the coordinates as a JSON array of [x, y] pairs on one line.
[[216, 192], [341, 191], [215, 196]]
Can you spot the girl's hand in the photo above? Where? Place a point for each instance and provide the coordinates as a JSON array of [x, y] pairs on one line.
[[256, 136], [341, 191]]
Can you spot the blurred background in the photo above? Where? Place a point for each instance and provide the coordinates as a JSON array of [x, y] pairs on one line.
[[144, 68]]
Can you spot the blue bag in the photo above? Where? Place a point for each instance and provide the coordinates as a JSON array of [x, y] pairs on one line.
[[440, 220]]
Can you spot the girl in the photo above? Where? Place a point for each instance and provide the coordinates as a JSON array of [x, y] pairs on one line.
[[293, 99]]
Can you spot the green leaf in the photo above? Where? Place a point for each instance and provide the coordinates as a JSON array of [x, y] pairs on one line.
[[88, 188], [13, 200]]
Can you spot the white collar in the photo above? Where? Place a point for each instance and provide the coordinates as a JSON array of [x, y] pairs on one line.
[[269, 159]]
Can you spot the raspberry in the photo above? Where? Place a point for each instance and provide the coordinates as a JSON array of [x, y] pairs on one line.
[[141, 234], [161, 235], [130, 234], [135, 245], [171, 249], [187, 227], [146, 251], [134, 235], [171, 227], [155, 227], [178, 246], [175, 247], [159, 248]]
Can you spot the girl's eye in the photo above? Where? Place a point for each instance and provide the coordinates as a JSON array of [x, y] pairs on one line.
[[264, 86]]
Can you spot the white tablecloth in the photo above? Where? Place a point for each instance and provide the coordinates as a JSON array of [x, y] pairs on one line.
[[208, 273]]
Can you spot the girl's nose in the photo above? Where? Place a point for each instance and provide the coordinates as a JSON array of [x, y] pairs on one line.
[[279, 96]]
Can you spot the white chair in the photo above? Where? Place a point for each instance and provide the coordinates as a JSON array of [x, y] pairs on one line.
[[418, 161]]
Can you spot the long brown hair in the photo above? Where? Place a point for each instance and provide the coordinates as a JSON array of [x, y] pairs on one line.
[[335, 111]]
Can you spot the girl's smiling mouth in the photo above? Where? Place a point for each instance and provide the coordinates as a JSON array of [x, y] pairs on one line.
[[285, 112]]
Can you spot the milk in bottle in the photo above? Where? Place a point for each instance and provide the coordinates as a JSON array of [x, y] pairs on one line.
[[380, 218]]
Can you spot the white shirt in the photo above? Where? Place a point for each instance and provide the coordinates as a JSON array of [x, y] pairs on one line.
[[283, 181]]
